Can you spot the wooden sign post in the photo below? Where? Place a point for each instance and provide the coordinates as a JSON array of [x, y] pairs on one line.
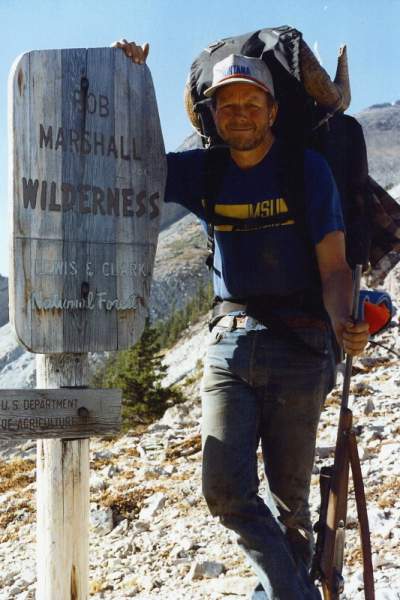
[[87, 180]]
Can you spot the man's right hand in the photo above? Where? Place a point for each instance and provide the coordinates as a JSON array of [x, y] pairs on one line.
[[137, 54]]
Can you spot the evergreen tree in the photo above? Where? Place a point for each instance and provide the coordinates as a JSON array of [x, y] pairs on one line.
[[138, 372]]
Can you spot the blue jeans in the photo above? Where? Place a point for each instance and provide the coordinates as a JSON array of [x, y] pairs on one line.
[[260, 387]]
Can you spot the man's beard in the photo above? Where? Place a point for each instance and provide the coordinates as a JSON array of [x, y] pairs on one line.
[[237, 142]]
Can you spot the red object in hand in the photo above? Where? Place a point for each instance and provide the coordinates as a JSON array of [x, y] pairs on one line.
[[377, 316]]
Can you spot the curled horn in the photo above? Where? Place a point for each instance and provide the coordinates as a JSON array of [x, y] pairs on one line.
[[332, 95], [342, 79], [191, 113]]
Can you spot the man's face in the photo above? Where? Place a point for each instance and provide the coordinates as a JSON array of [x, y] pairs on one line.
[[243, 115]]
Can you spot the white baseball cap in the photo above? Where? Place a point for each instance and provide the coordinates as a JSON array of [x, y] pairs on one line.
[[236, 68]]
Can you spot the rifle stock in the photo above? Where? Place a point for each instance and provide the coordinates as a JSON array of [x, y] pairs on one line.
[[331, 559]]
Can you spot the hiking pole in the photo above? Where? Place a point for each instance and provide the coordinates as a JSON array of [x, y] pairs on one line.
[[328, 559]]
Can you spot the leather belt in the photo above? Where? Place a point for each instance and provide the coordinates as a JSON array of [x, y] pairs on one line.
[[313, 322], [250, 324]]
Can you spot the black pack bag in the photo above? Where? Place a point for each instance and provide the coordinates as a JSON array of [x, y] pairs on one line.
[[310, 114]]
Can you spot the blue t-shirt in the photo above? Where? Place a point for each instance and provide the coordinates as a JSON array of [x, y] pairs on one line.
[[268, 258]]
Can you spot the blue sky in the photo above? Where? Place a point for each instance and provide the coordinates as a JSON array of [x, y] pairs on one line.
[[179, 29]]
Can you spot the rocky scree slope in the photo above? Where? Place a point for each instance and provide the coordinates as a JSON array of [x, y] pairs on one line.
[[151, 535]]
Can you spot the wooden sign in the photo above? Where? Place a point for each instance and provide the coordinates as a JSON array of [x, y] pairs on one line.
[[87, 181], [59, 413]]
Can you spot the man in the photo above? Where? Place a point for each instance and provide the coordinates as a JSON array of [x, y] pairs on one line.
[[283, 289]]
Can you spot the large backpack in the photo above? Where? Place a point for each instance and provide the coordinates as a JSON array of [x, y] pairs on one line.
[[310, 114]]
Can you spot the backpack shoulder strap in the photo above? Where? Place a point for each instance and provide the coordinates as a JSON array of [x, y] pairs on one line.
[[293, 156], [293, 165]]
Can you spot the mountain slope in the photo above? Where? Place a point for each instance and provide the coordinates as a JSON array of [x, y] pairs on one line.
[[3, 300], [381, 125], [179, 268]]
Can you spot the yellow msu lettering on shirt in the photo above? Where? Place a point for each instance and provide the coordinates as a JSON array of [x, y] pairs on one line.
[[265, 209]]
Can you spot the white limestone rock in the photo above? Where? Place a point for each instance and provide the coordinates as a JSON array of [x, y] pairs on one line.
[[153, 505], [207, 569], [97, 483], [101, 520]]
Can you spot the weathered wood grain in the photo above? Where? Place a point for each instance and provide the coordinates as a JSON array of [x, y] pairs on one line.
[[62, 546], [62, 549], [62, 413], [87, 182]]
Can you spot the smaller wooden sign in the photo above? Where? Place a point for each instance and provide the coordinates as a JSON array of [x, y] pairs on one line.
[[59, 413]]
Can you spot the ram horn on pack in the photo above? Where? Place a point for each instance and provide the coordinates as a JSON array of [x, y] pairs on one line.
[[332, 95]]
